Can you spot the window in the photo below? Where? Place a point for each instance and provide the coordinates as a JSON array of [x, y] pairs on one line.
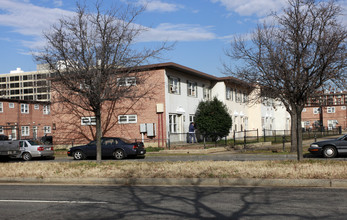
[[1, 107], [88, 121], [47, 129], [174, 85], [173, 123], [25, 131], [191, 86], [304, 110], [331, 110], [24, 108], [316, 110], [206, 92], [228, 93], [126, 81], [1, 130], [191, 118], [46, 109], [36, 106], [127, 119], [11, 105], [343, 107]]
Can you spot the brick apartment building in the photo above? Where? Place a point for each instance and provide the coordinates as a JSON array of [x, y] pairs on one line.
[[328, 109], [167, 111], [22, 119]]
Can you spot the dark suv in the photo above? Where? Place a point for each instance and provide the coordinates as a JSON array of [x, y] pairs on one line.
[[118, 148]]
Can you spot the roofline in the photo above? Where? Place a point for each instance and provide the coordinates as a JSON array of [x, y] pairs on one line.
[[24, 101], [175, 66]]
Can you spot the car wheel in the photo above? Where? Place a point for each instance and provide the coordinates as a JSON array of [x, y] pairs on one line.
[[79, 155], [329, 152], [26, 156], [118, 154]]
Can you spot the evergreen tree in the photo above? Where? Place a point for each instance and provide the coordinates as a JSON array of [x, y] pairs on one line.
[[212, 119]]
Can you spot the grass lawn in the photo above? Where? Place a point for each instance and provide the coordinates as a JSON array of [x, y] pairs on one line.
[[290, 169]]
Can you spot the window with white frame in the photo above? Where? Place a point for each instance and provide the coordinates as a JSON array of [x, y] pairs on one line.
[[1, 130], [47, 129], [127, 119], [191, 88], [36, 106], [191, 118], [46, 109], [25, 131], [24, 108], [228, 93], [88, 121], [1, 107], [173, 120], [126, 81], [330, 109], [174, 85], [316, 111], [304, 110], [206, 92], [11, 105], [343, 108]]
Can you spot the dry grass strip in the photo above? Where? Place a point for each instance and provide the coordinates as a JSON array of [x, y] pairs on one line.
[[324, 169]]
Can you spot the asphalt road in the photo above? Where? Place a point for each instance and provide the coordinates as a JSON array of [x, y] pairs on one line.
[[225, 156], [154, 202]]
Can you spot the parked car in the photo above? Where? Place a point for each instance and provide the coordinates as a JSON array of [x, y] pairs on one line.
[[33, 148], [330, 148], [118, 148]]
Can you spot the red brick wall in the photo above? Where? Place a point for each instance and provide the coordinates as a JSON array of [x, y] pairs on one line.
[[340, 115], [13, 117], [68, 121]]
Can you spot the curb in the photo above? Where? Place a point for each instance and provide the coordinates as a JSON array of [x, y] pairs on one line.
[[221, 182]]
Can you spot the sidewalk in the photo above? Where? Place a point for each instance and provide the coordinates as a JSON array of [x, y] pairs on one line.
[[214, 182]]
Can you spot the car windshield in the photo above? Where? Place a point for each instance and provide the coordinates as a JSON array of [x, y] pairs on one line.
[[34, 142], [344, 137], [126, 141]]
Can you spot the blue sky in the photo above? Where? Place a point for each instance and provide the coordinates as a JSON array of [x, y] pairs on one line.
[[202, 29]]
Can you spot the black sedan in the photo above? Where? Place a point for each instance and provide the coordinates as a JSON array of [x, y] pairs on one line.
[[330, 148], [118, 148]]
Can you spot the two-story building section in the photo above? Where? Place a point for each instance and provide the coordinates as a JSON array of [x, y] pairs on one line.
[[21, 119], [327, 109]]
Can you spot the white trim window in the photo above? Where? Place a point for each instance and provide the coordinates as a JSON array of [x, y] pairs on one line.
[[343, 107], [174, 85], [127, 119], [304, 110], [228, 93], [88, 121], [46, 109], [206, 92], [191, 88], [25, 131], [173, 120], [36, 106], [24, 108], [11, 105], [330, 110], [1, 107], [127, 81], [47, 129], [1, 130], [316, 111]]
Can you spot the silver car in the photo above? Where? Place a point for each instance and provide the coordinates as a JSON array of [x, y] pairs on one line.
[[33, 148]]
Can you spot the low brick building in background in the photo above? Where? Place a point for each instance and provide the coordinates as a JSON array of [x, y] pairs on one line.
[[327, 109], [20, 119]]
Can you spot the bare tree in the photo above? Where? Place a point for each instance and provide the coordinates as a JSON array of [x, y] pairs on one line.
[[94, 63], [304, 49]]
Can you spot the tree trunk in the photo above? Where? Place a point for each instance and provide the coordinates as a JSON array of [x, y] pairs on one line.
[[299, 135], [98, 135], [293, 133]]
